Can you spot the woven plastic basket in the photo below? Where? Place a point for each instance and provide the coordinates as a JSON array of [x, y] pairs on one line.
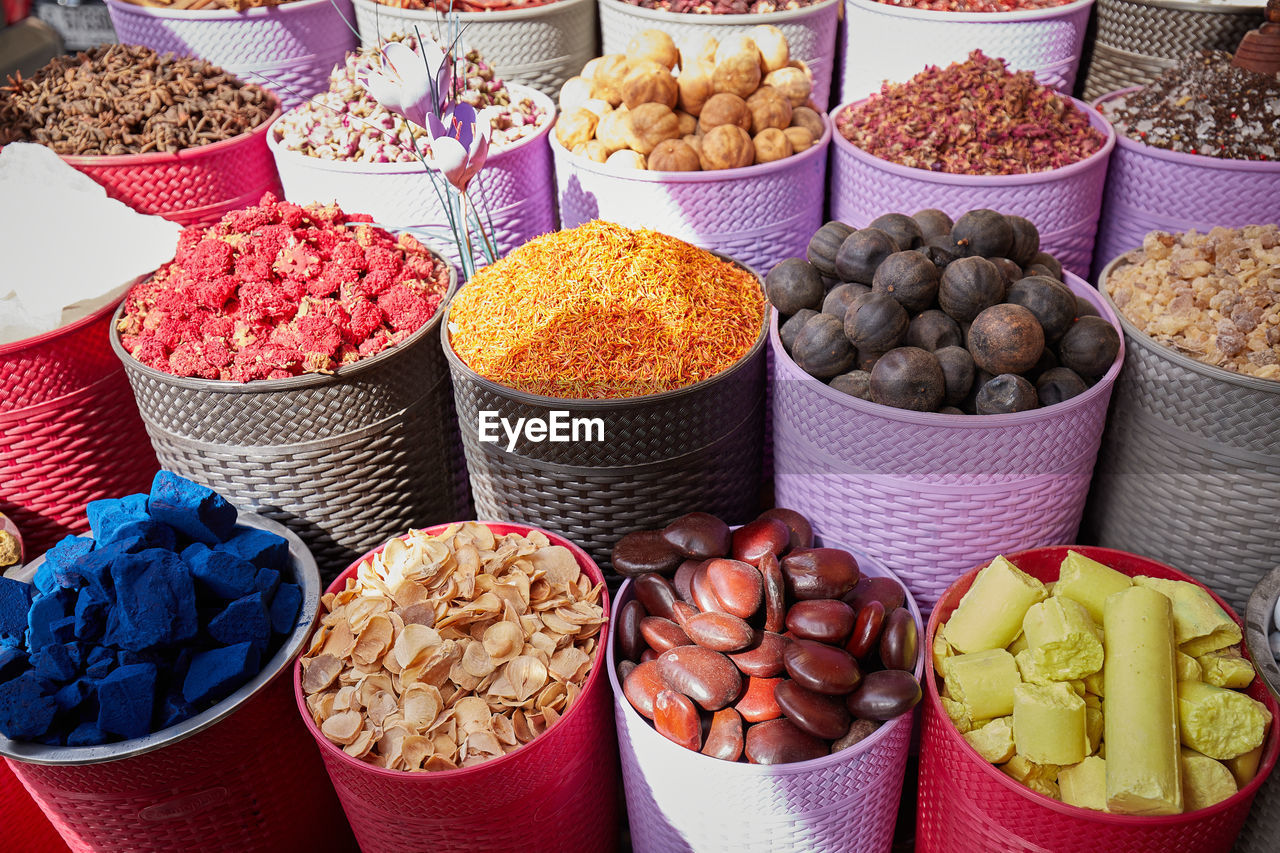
[[930, 495], [81, 25], [810, 32], [23, 827], [1151, 189], [69, 430], [344, 460], [1136, 40], [1263, 826], [517, 183], [680, 801], [240, 776], [1063, 203], [968, 804], [540, 46], [883, 42], [1190, 466], [289, 48], [555, 794], [757, 215]]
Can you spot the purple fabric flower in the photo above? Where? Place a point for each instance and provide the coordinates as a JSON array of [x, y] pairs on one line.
[[459, 143], [414, 83]]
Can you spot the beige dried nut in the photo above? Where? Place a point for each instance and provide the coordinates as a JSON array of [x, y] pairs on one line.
[[655, 46], [589, 70], [793, 83], [698, 46], [727, 147], [319, 672], [772, 44], [575, 92], [556, 563], [694, 86], [769, 108], [648, 82], [576, 127], [674, 155], [737, 44], [608, 77], [342, 728], [414, 750], [650, 124], [600, 107], [810, 120], [341, 641], [799, 138], [738, 74], [688, 123], [361, 746], [772, 144], [413, 643], [724, 108], [612, 134], [503, 641], [569, 664], [373, 641]]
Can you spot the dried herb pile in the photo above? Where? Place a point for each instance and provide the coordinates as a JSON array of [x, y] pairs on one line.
[[723, 7], [992, 6]]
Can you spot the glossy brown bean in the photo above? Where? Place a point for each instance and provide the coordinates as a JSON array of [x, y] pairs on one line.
[[642, 686], [758, 702], [704, 598], [663, 634], [736, 585], [681, 611], [859, 730], [801, 529], [820, 668], [764, 660], [644, 551], [647, 655], [781, 742], [684, 578], [866, 630], [899, 641], [721, 632], [676, 718], [708, 678], [657, 594], [775, 594], [762, 536], [819, 573], [884, 695], [624, 669], [726, 738], [698, 535], [819, 715], [630, 641], [887, 591], [826, 620]]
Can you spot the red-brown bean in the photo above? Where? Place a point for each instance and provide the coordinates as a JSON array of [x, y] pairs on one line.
[[708, 678], [698, 535], [899, 642], [821, 716], [726, 738], [866, 630], [775, 593], [819, 573], [884, 695], [764, 660], [630, 641], [762, 536], [676, 718], [657, 594], [758, 702], [642, 686], [821, 668], [826, 620], [644, 551], [782, 742], [663, 634], [801, 529], [720, 632], [737, 586]]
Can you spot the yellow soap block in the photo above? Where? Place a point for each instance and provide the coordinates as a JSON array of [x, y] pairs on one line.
[[1019, 644], [956, 712], [1093, 726], [1226, 668], [1065, 643], [1085, 784], [1095, 683], [1204, 781], [1245, 766], [1088, 582], [1200, 625], [994, 741], [1028, 670], [1219, 722], [1041, 778], [983, 682], [941, 652], [1188, 668], [1049, 724], [1077, 684], [1092, 700], [990, 614]]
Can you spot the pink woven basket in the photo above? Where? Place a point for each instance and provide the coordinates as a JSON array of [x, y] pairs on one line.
[[1151, 189], [556, 794], [70, 432], [1063, 203], [289, 48], [928, 494], [969, 804], [680, 801], [23, 827]]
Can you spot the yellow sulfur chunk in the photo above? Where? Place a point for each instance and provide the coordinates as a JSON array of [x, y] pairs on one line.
[[1092, 700], [1244, 767], [1019, 644], [1077, 684], [1065, 643], [1028, 670], [955, 710], [1188, 668], [1041, 778], [983, 682], [1095, 683], [1204, 781], [990, 614], [941, 652], [1200, 625], [1093, 727], [1049, 724], [994, 741], [1226, 668], [1088, 582], [1219, 722], [1085, 784]]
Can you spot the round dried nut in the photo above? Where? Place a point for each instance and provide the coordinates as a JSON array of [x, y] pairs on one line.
[[648, 82], [694, 86], [727, 147], [614, 131], [574, 93], [800, 139], [810, 120], [592, 150], [688, 123], [655, 46], [793, 83], [772, 44], [598, 106], [738, 44], [626, 159], [724, 108], [700, 46], [608, 77], [772, 144], [769, 108], [576, 128], [674, 155], [739, 74], [649, 125], [589, 70], [695, 142]]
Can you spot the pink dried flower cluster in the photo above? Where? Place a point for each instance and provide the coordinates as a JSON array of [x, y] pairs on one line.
[[971, 118]]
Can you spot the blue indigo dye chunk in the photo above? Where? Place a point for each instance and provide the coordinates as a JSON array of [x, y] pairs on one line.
[[217, 673], [107, 516], [155, 601], [198, 511], [15, 601], [220, 573], [266, 582], [244, 621], [263, 548], [55, 571], [26, 708], [284, 608], [55, 663], [125, 700], [86, 734]]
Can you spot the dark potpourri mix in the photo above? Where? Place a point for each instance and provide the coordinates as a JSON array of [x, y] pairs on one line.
[[723, 7], [992, 6]]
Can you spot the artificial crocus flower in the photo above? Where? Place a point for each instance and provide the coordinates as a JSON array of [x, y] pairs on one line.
[[414, 83], [460, 142]]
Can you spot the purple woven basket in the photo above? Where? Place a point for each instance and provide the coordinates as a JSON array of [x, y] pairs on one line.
[[1151, 189], [1063, 203], [290, 49], [757, 215], [680, 801], [932, 495]]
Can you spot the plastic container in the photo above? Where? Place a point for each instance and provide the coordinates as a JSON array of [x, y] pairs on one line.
[[810, 32], [1190, 466], [82, 25], [539, 46], [23, 827], [680, 801], [968, 804], [1063, 203], [553, 795], [758, 215], [69, 430], [1152, 189], [929, 495], [289, 48], [883, 42], [238, 777]]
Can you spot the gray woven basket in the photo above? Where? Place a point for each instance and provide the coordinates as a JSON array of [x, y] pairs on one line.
[[1261, 831], [1138, 39], [1189, 471], [346, 460]]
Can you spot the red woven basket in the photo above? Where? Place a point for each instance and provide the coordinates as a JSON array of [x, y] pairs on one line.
[[23, 827], [968, 804], [70, 431]]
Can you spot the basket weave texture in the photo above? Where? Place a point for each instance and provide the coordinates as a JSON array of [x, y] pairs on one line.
[[23, 827]]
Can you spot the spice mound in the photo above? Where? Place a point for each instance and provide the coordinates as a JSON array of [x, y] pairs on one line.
[[237, 5], [446, 651], [723, 7], [278, 290], [347, 123], [604, 311], [1204, 105], [1214, 297], [446, 6], [993, 6], [127, 99], [971, 118]]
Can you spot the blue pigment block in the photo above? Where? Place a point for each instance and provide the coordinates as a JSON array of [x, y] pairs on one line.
[[266, 582], [75, 693], [54, 663], [63, 630], [173, 710], [125, 700], [264, 549], [86, 734], [91, 614], [26, 708], [13, 662], [46, 610], [15, 603], [108, 516], [244, 621], [220, 573], [101, 660], [198, 511], [284, 608], [155, 601], [55, 570], [141, 535], [94, 569], [217, 673]]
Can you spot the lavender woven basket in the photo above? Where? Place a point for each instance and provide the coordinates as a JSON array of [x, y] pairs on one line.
[[927, 494], [1152, 189], [680, 801], [810, 32], [883, 42], [290, 48], [1063, 203], [757, 215]]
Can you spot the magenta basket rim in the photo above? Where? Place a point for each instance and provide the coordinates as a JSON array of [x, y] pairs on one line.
[[784, 362], [1098, 121], [15, 347], [250, 13], [783, 16], [333, 752], [972, 17], [183, 156], [766, 770], [933, 698], [432, 16]]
